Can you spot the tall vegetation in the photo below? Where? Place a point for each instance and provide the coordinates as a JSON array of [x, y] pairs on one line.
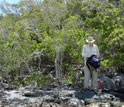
[[37, 36]]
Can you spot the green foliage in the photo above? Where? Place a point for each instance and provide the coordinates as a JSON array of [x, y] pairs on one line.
[[35, 29], [72, 78], [37, 79]]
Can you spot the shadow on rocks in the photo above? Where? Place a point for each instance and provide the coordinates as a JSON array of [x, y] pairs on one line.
[[84, 94]]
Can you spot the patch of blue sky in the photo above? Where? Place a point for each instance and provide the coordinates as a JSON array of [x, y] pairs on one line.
[[10, 2]]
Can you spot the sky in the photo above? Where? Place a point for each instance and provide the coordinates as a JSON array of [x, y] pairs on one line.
[[11, 1]]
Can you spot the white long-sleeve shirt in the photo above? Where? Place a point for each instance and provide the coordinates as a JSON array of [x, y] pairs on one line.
[[89, 51]]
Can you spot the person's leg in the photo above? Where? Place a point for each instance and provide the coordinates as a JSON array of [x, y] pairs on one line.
[[93, 79], [86, 77]]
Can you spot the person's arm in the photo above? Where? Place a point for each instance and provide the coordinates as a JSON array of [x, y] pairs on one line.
[[97, 51], [84, 54]]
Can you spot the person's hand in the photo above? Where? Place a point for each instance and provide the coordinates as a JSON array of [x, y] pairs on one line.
[[94, 54], [88, 56]]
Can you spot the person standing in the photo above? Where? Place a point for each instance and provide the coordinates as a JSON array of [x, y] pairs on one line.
[[87, 51]]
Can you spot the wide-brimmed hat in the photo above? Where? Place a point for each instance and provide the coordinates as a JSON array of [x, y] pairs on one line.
[[90, 39]]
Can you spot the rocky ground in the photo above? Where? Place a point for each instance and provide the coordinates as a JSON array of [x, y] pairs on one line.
[[112, 94]]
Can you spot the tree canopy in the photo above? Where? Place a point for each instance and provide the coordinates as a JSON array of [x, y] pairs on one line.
[[36, 33]]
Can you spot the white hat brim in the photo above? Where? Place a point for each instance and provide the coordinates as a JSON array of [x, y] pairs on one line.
[[90, 41]]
